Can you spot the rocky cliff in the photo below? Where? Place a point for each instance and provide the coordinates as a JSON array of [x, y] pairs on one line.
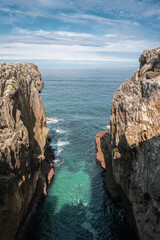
[[25, 155], [135, 145]]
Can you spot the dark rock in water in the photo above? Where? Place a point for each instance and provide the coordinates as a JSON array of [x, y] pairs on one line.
[[23, 146], [135, 145]]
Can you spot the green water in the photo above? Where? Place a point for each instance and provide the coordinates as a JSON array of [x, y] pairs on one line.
[[76, 207]]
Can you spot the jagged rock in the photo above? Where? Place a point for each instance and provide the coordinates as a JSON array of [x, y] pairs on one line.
[[132, 151], [128, 228], [135, 143], [23, 138], [100, 157]]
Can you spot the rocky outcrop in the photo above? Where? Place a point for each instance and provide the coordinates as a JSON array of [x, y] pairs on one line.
[[103, 158], [23, 144], [100, 157], [126, 227], [135, 143]]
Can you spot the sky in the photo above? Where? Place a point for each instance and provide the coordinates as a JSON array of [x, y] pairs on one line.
[[82, 33]]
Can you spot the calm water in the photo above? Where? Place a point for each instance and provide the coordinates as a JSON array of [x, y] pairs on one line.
[[76, 207]]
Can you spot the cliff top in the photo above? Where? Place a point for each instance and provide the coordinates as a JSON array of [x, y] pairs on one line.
[[151, 58], [13, 74], [22, 115]]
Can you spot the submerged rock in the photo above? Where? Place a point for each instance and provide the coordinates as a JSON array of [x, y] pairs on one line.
[[135, 143], [23, 141]]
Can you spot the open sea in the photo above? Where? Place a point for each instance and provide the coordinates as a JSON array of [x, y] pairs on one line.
[[78, 105]]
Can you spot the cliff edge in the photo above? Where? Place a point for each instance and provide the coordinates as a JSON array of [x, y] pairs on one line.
[[135, 144], [23, 143]]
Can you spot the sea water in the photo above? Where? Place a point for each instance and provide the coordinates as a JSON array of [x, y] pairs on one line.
[[78, 106]]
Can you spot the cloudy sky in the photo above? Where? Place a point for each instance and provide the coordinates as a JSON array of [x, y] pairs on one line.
[[78, 32]]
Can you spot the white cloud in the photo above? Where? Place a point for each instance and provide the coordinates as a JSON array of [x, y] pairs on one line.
[[154, 11], [73, 34], [57, 53], [89, 18], [117, 34], [60, 37], [110, 35], [136, 24], [45, 8], [74, 52]]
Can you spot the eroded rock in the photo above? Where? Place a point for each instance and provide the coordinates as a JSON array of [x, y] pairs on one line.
[[135, 141], [135, 145], [23, 138]]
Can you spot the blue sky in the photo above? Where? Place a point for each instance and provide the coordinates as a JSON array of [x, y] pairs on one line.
[[78, 32]]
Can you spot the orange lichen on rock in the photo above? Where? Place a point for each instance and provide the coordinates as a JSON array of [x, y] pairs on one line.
[[50, 175], [100, 156], [45, 189]]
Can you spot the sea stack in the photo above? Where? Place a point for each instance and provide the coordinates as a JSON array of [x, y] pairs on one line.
[[133, 155], [25, 154]]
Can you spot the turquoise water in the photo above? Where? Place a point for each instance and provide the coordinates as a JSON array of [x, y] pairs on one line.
[[78, 102]]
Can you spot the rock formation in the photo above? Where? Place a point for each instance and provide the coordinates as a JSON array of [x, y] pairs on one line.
[[135, 144], [100, 155], [25, 155]]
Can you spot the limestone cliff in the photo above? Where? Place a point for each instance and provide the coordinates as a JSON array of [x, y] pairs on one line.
[[23, 139], [135, 143]]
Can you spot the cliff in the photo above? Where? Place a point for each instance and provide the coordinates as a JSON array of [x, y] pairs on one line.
[[135, 145], [23, 144]]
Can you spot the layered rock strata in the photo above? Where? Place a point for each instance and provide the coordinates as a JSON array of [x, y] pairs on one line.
[[23, 144], [135, 143]]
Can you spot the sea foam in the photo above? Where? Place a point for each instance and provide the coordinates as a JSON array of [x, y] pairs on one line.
[[52, 120], [60, 131], [62, 143]]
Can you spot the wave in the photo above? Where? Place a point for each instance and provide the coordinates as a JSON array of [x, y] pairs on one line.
[[60, 131], [52, 120], [62, 143], [58, 152], [76, 116], [85, 204], [107, 127], [58, 162]]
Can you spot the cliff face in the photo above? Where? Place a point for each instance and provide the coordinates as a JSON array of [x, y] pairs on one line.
[[23, 138], [135, 143], [132, 150]]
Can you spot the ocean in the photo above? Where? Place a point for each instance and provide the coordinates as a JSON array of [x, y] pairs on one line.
[[78, 106]]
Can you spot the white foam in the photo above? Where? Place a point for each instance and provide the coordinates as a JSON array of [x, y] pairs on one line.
[[76, 116], [52, 120], [58, 152], [60, 131], [85, 204], [62, 143], [108, 127], [58, 162]]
